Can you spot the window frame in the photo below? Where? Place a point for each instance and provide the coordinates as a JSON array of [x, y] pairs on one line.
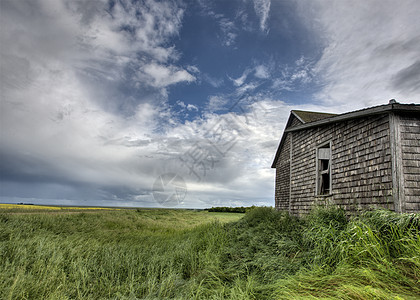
[[318, 173]]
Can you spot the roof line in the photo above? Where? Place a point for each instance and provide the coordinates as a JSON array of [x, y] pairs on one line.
[[283, 138], [356, 114]]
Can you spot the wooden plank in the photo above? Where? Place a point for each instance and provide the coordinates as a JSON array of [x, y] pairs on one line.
[[324, 153], [291, 165], [396, 162]]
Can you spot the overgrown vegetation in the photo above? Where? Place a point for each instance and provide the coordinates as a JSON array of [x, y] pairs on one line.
[[239, 209], [166, 254]]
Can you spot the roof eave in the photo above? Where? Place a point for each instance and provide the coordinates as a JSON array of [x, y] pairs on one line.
[[356, 114]]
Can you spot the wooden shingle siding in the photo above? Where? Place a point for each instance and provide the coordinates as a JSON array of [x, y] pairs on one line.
[[283, 177], [303, 168], [410, 145], [361, 168], [361, 165], [282, 184]]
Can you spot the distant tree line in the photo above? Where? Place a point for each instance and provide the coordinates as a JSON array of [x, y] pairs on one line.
[[230, 209]]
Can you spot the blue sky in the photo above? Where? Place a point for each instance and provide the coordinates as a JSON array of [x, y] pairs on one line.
[[101, 100]]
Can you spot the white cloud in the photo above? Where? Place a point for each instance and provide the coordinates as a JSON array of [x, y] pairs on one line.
[[193, 69], [228, 156], [262, 72], [262, 9], [181, 103], [191, 107], [300, 61], [162, 76], [369, 47], [240, 80], [281, 84], [294, 77], [106, 47], [217, 103], [148, 24], [229, 31], [64, 128], [301, 75], [245, 88], [214, 82]]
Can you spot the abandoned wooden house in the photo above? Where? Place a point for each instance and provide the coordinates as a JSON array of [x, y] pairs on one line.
[[358, 160]]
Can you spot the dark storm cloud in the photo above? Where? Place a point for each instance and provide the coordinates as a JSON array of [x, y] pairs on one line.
[[23, 167], [371, 47], [408, 79], [83, 87]]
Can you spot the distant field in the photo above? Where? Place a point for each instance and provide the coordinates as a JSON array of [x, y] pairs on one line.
[[172, 218], [33, 208], [187, 254]]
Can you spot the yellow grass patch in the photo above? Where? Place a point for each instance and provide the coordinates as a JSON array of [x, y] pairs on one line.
[[42, 207]]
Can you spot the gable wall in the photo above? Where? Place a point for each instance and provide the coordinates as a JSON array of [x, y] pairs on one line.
[[282, 194], [295, 122], [410, 145], [361, 165], [282, 185]]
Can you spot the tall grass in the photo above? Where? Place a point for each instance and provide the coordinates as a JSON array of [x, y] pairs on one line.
[[172, 254], [373, 256]]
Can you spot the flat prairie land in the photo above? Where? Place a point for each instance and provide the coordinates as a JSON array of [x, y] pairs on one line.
[[90, 253], [29, 208]]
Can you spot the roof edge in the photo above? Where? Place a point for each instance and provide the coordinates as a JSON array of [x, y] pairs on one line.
[[276, 157], [357, 114]]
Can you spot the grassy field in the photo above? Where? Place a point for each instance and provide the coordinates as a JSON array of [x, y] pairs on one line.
[[184, 254], [35, 208]]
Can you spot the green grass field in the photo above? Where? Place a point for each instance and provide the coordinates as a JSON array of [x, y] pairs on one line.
[[185, 254]]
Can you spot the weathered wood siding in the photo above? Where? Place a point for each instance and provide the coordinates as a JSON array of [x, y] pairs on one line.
[[361, 165], [282, 185], [303, 167], [283, 176], [410, 148]]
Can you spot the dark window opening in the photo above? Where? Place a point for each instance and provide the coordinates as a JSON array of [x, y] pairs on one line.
[[324, 170]]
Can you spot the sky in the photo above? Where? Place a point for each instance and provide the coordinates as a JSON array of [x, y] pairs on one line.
[[183, 103]]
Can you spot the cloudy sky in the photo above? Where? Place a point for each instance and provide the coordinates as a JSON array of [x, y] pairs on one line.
[[101, 100]]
